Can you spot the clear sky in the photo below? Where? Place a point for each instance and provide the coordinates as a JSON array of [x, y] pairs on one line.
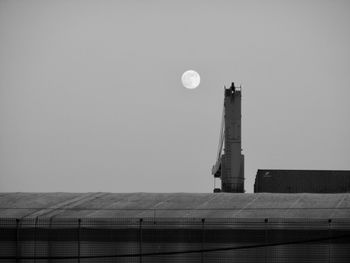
[[91, 97]]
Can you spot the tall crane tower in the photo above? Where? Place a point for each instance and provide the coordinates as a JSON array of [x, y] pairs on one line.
[[229, 166]]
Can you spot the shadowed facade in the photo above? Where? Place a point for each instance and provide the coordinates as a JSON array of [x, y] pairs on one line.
[[229, 166]]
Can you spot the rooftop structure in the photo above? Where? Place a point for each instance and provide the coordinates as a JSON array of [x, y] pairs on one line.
[[302, 181]]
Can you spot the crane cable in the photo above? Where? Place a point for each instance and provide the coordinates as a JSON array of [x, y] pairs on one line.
[[222, 133]]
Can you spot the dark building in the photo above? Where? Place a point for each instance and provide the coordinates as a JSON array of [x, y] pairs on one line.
[[302, 181], [229, 166]]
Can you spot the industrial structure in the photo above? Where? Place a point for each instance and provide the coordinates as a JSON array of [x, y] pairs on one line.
[[302, 181], [229, 166]]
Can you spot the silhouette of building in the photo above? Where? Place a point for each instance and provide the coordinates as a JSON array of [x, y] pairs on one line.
[[229, 166], [302, 181]]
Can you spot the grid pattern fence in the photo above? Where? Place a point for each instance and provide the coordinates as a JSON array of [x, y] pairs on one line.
[[174, 240]]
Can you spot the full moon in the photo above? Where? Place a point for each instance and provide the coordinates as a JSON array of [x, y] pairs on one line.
[[190, 79]]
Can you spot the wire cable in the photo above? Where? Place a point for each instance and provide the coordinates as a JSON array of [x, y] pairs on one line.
[[180, 252]]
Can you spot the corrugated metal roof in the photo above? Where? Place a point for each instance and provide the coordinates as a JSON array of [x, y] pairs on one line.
[[181, 205]]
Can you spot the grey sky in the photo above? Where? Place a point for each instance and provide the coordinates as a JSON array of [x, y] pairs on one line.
[[91, 97]]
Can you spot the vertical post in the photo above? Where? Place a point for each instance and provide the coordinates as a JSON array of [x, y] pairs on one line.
[[17, 241], [79, 222], [266, 239], [35, 236], [49, 241], [202, 243], [140, 239], [330, 240]]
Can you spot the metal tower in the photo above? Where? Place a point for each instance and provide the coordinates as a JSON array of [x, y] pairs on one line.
[[229, 166]]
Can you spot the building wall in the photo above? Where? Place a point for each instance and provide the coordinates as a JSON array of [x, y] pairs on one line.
[[302, 181], [174, 240]]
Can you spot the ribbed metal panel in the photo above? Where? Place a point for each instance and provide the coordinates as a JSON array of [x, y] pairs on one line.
[[174, 240]]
